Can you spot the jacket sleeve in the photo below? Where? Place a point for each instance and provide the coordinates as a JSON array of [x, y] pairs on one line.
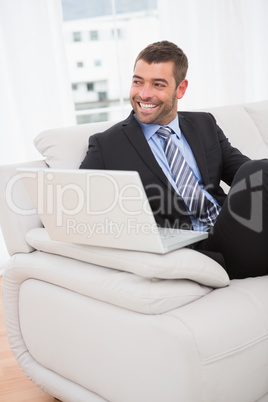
[[232, 158], [93, 158]]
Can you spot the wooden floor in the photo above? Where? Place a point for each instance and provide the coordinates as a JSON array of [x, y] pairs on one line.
[[14, 385]]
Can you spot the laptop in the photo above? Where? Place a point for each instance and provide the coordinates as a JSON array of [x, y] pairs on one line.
[[101, 208]]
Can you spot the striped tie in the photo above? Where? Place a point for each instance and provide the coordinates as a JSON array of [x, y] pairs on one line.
[[191, 192]]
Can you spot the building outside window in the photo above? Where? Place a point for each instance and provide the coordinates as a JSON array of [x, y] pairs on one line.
[[102, 96], [119, 33], [92, 118], [77, 36], [105, 74], [90, 86], [94, 35]]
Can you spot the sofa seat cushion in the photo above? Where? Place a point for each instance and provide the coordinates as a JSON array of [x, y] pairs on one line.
[[123, 289], [179, 264]]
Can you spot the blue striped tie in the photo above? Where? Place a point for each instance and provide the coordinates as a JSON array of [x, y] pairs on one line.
[[190, 191]]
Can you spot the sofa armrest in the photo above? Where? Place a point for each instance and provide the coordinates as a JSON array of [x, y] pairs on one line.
[[15, 221]]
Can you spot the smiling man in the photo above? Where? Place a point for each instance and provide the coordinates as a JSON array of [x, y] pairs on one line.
[[181, 158], [154, 92]]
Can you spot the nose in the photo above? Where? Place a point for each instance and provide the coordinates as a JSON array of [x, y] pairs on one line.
[[146, 91]]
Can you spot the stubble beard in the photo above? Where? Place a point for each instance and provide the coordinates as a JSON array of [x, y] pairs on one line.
[[161, 117]]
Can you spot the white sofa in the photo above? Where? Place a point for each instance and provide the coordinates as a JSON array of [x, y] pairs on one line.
[[92, 324]]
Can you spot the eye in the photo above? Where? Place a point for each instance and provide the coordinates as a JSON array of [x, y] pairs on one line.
[[159, 85], [136, 82]]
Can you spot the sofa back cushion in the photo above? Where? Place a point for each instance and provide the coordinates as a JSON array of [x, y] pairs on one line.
[[246, 126], [65, 148]]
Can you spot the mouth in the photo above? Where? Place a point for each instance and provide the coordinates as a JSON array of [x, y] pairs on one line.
[[147, 106]]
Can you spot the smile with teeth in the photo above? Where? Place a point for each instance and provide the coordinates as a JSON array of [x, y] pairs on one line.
[[147, 105]]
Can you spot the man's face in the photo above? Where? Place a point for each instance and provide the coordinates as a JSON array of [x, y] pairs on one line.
[[153, 93]]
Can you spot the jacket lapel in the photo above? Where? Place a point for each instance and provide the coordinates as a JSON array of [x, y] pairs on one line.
[[135, 135]]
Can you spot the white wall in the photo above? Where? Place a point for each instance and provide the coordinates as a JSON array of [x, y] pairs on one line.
[[35, 88]]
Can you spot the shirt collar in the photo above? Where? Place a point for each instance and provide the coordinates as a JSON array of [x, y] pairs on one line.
[[150, 129]]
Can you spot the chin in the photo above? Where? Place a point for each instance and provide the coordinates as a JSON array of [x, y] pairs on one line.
[[145, 119]]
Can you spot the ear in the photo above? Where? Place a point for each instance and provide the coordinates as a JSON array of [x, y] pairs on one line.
[[182, 89]]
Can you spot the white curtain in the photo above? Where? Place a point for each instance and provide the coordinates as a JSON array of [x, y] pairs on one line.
[[226, 43], [35, 92], [35, 89]]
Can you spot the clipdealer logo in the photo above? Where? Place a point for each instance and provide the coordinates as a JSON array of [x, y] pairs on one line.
[[51, 200], [255, 221], [69, 199], [108, 227]]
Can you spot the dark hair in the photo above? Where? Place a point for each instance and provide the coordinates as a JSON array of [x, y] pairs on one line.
[[164, 51]]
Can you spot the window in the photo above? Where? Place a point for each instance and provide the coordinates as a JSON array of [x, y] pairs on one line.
[[101, 54], [90, 86], [119, 33], [77, 36], [92, 118], [102, 96], [94, 35]]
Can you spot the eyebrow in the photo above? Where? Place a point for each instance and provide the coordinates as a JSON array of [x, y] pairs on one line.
[[154, 79]]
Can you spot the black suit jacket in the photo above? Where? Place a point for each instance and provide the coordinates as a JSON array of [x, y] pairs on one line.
[[124, 147]]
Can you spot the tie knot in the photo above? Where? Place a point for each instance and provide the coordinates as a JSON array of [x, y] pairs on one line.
[[164, 132]]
